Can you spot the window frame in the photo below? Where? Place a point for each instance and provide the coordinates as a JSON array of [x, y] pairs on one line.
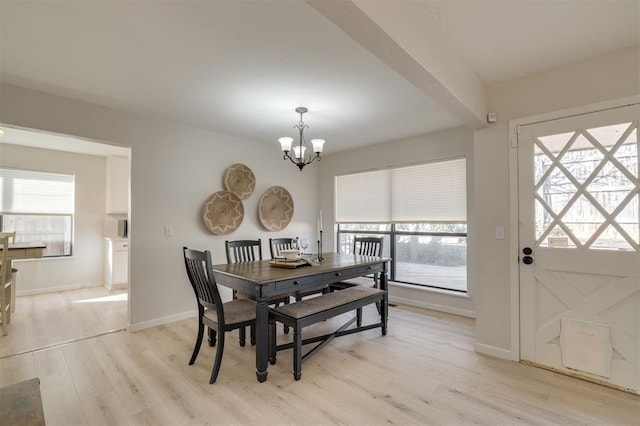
[[68, 210], [393, 225]]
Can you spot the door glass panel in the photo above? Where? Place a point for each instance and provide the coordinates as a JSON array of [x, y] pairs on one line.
[[556, 190], [608, 136], [582, 159], [628, 153], [582, 219], [557, 238], [555, 143], [610, 178], [628, 219], [611, 239]]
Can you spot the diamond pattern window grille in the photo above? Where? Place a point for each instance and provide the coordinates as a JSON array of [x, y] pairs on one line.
[[587, 188]]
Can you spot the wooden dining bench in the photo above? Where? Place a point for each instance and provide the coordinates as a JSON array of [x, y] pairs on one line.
[[313, 310]]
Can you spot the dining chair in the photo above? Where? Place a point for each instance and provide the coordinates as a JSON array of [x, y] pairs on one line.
[[6, 281], [277, 244], [219, 317], [248, 251], [365, 246]]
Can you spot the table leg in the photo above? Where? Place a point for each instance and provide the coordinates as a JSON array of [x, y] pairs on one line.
[[262, 340], [384, 309]]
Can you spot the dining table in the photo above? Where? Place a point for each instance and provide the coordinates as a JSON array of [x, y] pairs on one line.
[[265, 279], [22, 251]]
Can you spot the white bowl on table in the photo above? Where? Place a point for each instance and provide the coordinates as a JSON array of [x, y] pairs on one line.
[[290, 254]]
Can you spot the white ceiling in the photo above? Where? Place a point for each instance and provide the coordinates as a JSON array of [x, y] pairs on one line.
[[242, 67]]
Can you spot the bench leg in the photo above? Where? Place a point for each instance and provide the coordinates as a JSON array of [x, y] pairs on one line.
[[359, 317], [297, 353]]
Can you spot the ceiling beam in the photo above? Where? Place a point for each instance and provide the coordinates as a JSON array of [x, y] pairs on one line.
[[410, 41]]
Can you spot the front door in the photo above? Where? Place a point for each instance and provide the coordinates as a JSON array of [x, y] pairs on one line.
[[579, 245]]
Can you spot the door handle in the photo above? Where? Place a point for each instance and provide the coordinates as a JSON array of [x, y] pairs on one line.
[[527, 259]]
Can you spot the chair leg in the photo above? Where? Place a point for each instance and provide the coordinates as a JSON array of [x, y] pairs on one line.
[[196, 348], [252, 335], [6, 309], [14, 278], [212, 337], [218, 361], [297, 353], [272, 342], [243, 335], [359, 317]]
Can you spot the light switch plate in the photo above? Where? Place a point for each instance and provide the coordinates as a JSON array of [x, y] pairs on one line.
[[499, 232], [168, 230]]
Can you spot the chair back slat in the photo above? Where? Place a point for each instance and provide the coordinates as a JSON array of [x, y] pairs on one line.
[[200, 272], [368, 246], [277, 244], [243, 250], [5, 272]]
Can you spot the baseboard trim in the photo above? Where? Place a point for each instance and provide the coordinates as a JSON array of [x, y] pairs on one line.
[[432, 306], [56, 289], [162, 320], [494, 351]]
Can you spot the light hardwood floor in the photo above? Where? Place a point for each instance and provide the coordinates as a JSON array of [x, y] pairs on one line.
[[425, 371]]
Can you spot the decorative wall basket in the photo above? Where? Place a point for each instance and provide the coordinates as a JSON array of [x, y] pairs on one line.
[[222, 213], [240, 180], [275, 209]]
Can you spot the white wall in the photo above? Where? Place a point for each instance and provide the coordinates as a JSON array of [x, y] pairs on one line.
[[174, 169], [436, 146], [85, 267], [597, 80]]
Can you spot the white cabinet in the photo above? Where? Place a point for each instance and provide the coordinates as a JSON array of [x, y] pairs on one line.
[[117, 185], [117, 263]]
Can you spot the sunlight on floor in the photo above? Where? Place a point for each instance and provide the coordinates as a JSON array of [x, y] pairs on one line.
[[122, 297]]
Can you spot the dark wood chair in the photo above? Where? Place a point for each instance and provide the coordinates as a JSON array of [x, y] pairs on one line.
[[217, 316], [243, 250], [6, 281], [277, 244], [365, 246], [248, 251]]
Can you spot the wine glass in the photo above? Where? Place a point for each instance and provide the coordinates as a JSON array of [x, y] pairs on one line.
[[304, 243]]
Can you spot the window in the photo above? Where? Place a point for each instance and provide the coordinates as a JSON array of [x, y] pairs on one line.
[[421, 213], [39, 206]]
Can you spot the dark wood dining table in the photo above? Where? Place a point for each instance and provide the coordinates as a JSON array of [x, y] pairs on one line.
[[263, 280]]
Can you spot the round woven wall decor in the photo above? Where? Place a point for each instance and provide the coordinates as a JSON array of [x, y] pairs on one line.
[[275, 209], [222, 213], [240, 180]]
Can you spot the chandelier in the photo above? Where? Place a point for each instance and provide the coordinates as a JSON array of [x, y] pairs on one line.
[[301, 156]]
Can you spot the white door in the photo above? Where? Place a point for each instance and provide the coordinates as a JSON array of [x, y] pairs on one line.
[[579, 246]]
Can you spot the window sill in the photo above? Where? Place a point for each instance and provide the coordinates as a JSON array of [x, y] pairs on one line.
[[430, 290]]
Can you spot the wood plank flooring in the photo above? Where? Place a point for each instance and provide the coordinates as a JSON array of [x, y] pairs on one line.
[[425, 371]]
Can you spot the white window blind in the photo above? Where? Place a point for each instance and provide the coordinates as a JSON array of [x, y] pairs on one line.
[[363, 197], [431, 192], [27, 192]]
